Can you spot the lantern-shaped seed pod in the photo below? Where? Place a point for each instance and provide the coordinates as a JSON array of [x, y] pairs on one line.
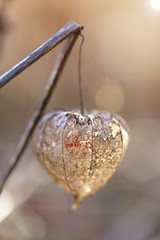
[[80, 152]]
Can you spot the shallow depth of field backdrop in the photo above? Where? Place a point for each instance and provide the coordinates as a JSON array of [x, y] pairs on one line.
[[121, 73]]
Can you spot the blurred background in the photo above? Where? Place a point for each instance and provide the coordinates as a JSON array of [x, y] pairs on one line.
[[121, 73]]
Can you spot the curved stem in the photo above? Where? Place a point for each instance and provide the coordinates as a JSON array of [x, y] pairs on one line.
[[80, 77]]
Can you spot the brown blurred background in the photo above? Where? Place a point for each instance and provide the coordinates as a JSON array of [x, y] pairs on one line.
[[121, 73]]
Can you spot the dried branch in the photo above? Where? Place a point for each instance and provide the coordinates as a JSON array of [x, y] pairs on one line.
[[65, 32], [72, 32]]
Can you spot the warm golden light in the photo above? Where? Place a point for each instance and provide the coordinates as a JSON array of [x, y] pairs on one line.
[[155, 4], [7, 205], [110, 97]]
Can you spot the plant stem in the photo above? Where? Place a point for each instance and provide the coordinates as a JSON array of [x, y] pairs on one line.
[[69, 29], [48, 91]]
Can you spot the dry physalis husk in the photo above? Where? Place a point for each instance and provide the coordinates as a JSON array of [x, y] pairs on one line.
[[80, 152]]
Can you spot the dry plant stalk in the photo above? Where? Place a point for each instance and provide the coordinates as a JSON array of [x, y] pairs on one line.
[[71, 31]]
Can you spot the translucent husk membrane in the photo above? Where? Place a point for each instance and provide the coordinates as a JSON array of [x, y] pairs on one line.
[[80, 152]]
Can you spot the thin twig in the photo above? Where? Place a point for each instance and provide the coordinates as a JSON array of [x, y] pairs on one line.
[[48, 90], [81, 93], [65, 32]]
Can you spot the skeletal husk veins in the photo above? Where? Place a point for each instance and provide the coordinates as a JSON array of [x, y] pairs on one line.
[[80, 152]]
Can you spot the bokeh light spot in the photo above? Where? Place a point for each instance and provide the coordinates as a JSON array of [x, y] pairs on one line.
[[155, 4], [110, 97], [6, 205]]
